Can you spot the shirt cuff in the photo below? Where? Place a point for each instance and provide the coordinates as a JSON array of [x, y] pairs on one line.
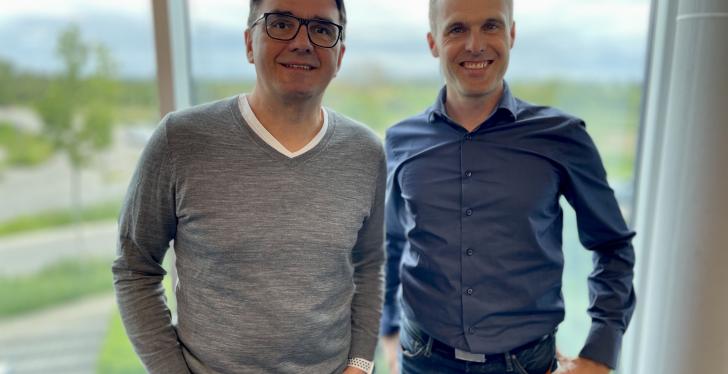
[[603, 345], [361, 364]]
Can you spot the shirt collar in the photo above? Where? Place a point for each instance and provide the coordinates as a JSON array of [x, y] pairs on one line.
[[506, 104]]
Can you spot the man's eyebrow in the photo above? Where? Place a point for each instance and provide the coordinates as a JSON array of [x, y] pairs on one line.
[[280, 11], [498, 20], [322, 18], [453, 24], [289, 13]]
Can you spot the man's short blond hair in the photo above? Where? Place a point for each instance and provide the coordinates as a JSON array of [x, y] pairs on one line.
[[433, 13]]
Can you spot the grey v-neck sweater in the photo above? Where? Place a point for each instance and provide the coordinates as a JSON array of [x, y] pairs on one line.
[[279, 260]]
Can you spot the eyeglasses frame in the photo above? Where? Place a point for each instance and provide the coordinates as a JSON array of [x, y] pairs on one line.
[[301, 22]]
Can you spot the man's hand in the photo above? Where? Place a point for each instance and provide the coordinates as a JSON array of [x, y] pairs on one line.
[[391, 348], [353, 370], [579, 365]]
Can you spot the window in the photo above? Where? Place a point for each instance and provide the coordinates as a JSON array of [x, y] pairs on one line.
[[77, 97], [60, 191], [586, 58]]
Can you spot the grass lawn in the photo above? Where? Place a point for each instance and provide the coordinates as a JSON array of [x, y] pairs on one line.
[[59, 283], [62, 217]]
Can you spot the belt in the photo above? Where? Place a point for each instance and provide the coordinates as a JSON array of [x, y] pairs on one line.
[[450, 352]]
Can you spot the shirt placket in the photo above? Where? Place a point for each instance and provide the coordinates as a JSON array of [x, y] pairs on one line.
[[468, 247]]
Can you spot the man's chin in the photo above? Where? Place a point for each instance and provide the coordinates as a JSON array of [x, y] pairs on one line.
[[474, 94], [475, 91], [300, 95]]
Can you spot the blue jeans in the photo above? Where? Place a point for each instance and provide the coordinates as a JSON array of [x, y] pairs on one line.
[[419, 357]]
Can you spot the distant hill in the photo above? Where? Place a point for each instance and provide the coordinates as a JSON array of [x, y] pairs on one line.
[[28, 42]]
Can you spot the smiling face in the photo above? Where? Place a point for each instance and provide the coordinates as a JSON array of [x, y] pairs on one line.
[[294, 69], [473, 39]]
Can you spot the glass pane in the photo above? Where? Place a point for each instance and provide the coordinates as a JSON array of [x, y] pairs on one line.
[[586, 58], [78, 99], [219, 65]]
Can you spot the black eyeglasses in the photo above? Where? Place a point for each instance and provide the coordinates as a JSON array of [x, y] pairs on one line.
[[285, 27]]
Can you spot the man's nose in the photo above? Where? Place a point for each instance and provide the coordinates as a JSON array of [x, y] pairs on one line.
[[475, 43], [301, 42]]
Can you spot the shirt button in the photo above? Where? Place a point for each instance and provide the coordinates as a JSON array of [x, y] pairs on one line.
[[469, 291], [469, 212], [469, 251], [468, 173], [471, 330], [468, 137]]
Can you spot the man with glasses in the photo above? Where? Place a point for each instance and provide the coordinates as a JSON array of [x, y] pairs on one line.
[[474, 225], [275, 206]]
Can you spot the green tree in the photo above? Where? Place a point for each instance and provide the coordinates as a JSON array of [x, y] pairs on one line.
[[77, 109]]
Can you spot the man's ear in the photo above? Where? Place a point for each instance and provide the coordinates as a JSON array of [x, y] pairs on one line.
[[341, 56], [433, 45], [249, 45], [513, 33]]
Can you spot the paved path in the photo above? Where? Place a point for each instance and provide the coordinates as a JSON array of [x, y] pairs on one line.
[[62, 340], [65, 339], [29, 252]]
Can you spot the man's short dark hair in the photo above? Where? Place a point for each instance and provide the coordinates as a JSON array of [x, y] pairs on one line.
[[255, 13]]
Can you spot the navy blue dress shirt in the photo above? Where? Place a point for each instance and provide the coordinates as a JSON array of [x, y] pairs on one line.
[[474, 229]]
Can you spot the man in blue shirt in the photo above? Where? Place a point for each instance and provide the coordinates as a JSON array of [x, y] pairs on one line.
[[474, 225]]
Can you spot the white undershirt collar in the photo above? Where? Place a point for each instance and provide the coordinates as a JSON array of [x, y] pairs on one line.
[[269, 139]]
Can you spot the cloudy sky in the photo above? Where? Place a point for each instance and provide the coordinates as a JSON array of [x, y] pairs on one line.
[[596, 39]]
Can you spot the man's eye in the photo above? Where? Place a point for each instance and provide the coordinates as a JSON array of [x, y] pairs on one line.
[[457, 30], [281, 25], [322, 30], [491, 26]]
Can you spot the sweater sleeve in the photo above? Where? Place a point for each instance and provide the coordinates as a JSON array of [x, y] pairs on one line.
[[394, 244], [368, 258], [146, 226]]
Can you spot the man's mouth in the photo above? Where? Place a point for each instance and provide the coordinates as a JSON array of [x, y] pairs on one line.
[[298, 66], [476, 65]]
